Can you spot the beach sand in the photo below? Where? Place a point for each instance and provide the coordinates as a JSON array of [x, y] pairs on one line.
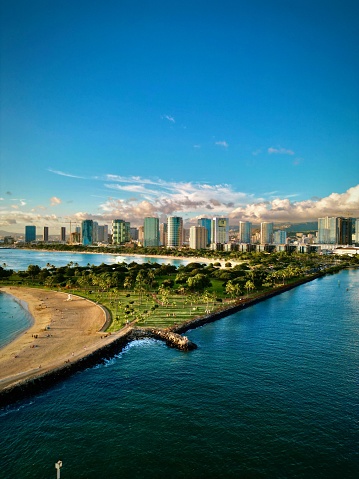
[[62, 331]]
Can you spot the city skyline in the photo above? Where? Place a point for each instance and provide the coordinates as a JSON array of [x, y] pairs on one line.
[[247, 110]]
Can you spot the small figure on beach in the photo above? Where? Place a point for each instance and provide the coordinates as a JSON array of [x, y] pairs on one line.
[[69, 297]]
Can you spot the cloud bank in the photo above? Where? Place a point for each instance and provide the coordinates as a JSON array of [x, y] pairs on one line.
[[133, 198]]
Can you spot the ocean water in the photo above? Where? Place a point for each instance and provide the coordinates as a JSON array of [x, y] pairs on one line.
[[271, 392], [19, 260], [14, 318]]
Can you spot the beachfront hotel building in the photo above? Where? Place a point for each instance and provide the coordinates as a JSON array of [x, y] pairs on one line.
[[198, 237], [266, 232], [245, 232], [206, 223], [151, 232], [220, 230], [30, 234], [174, 231], [120, 232], [87, 232]]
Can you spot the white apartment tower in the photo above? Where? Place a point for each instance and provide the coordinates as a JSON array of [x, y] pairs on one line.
[[198, 237], [220, 230]]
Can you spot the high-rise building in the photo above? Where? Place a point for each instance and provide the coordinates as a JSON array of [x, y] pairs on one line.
[[134, 234], [266, 232], [198, 237], [102, 234], [357, 230], [46, 234], [280, 237], [245, 232], [87, 232], [174, 231], [141, 234], [345, 231], [30, 234], [63, 233], [151, 232], [95, 232], [163, 234], [335, 230], [328, 230], [206, 223], [219, 230], [120, 231]]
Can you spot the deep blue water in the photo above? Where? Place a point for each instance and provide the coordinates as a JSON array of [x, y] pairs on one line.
[[19, 259], [271, 392]]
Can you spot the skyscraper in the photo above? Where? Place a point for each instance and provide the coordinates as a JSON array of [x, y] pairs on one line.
[[151, 232], [163, 234], [63, 233], [220, 230], [174, 231], [280, 237], [328, 230], [30, 234], [245, 232], [206, 223], [345, 231], [198, 237], [46, 234], [120, 231], [87, 232], [357, 230], [102, 234], [266, 232]]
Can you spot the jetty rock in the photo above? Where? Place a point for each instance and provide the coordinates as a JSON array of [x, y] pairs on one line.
[[172, 339]]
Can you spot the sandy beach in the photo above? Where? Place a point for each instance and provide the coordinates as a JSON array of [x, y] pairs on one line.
[[63, 330]]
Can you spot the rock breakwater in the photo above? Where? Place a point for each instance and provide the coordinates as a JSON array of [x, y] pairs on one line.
[[172, 339]]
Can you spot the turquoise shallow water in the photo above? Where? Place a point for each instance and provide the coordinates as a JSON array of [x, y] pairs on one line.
[[14, 318], [19, 259], [271, 392]]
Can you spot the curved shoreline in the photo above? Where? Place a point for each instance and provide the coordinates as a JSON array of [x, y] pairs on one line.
[[40, 379], [25, 306]]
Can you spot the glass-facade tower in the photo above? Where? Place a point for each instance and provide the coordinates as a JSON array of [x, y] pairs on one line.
[[87, 232], [151, 230], [245, 232], [30, 234], [174, 231], [206, 223], [266, 232]]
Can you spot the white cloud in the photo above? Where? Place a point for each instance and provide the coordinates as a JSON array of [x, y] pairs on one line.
[[169, 118], [55, 201], [61, 173], [222, 143], [282, 209], [280, 151], [134, 197]]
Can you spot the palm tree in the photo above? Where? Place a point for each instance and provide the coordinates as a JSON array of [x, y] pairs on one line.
[[249, 286]]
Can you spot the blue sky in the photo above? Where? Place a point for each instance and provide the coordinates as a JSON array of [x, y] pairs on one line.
[[124, 109]]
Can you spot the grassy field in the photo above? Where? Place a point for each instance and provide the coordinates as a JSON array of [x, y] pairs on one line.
[[150, 310]]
